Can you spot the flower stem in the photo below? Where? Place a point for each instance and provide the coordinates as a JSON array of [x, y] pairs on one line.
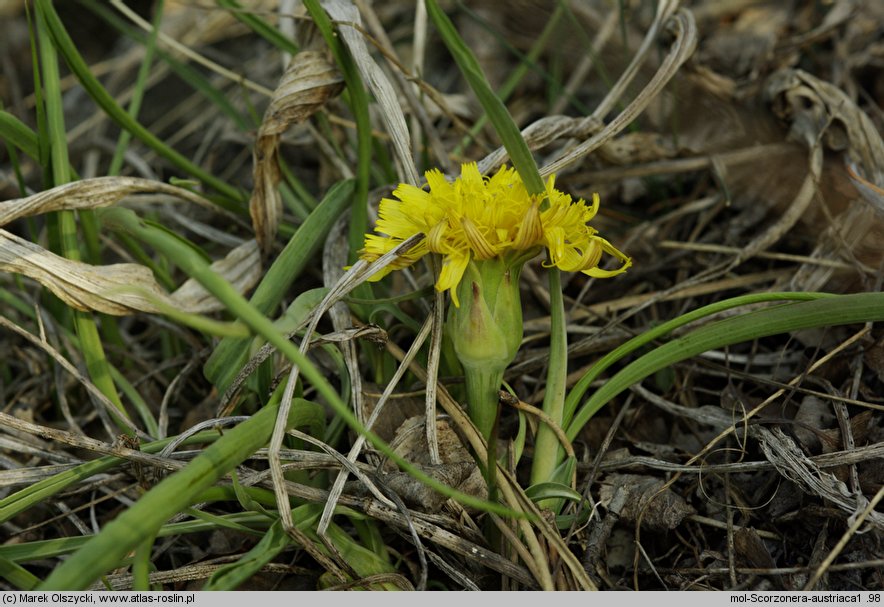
[[547, 451], [483, 389], [483, 386]]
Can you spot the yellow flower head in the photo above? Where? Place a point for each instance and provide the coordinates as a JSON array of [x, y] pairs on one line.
[[478, 218]]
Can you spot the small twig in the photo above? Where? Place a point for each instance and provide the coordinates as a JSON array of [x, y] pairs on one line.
[[854, 527], [93, 390], [508, 399]]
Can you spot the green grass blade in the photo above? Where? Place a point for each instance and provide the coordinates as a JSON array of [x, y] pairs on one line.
[[141, 565], [575, 395], [173, 494], [503, 123], [75, 62], [138, 403], [231, 353], [260, 27], [87, 333], [359, 106], [826, 312], [229, 577], [16, 133], [526, 63], [139, 90], [17, 575]]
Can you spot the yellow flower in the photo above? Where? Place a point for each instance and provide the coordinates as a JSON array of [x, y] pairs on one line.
[[477, 218]]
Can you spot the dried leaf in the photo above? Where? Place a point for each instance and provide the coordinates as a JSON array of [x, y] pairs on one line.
[[458, 468], [751, 551], [121, 289], [346, 13], [91, 194], [80, 285], [116, 289], [307, 84], [636, 148], [659, 511], [818, 110], [815, 108], [791, 462]]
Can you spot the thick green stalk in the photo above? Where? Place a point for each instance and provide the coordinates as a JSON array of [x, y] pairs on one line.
[[547, 450], [483, 387]]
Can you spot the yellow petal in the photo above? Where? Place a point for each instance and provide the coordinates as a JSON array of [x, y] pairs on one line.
[[555, 242], [453, 267], [573, 261], [607, 247], [531, 229], [478, 243]]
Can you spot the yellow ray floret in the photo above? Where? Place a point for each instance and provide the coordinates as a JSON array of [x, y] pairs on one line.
[[476, 218]]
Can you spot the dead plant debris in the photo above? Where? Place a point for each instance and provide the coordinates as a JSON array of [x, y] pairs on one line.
[[737, 149]]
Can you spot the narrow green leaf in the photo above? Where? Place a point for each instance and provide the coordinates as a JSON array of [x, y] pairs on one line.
[[18, 134], [548, 491], [17, 575], [231, 353], [78, 66], [260, 27], [827, 312], [500, 117], [526, 63], [576, 393], [231, 576], [139, 89], [134, 525], [87, 332]]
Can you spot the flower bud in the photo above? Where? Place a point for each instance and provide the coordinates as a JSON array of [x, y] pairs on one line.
[[486, 330]]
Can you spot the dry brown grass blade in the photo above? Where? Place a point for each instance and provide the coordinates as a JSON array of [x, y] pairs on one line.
[[820, 114], [91, 194], [123, 288], [591, 129], [79, 441], [685, 31], [356, 449], [117, 289], [345, 13], [307, 84]]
